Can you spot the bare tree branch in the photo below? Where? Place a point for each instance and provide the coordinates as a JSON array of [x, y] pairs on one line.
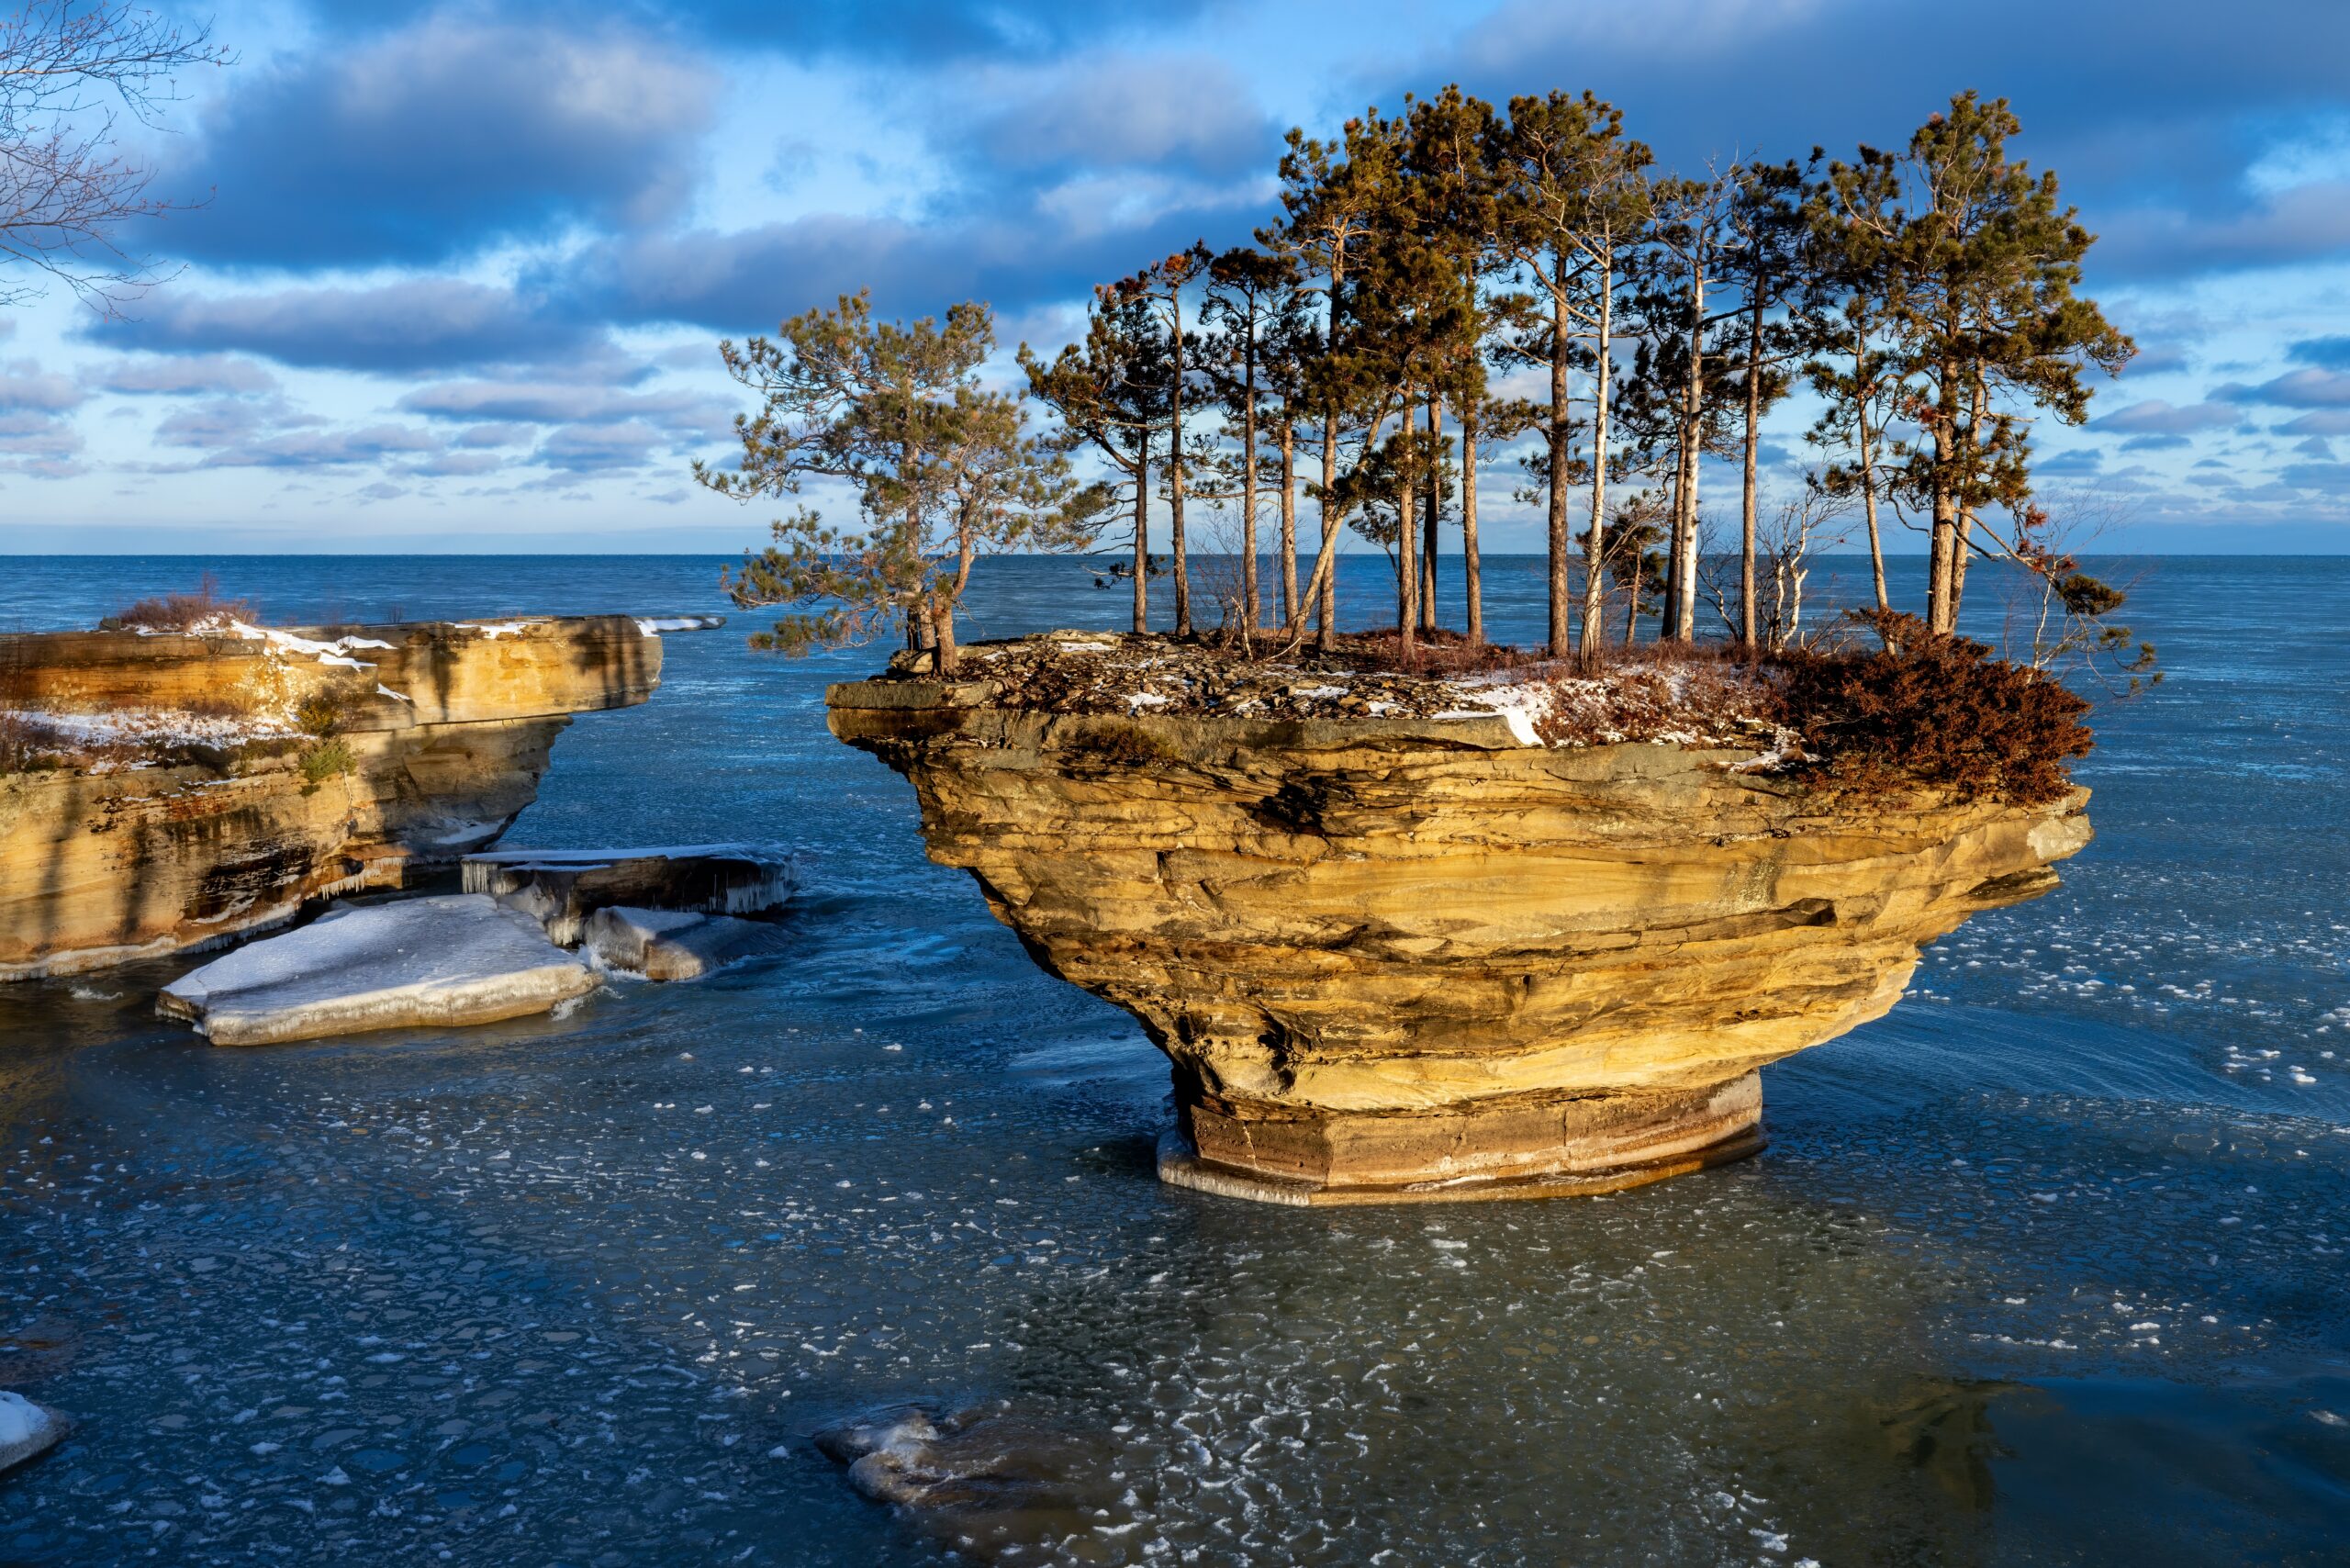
[[68, 70]]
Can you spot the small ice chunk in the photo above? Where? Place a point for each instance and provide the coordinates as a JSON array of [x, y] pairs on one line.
[[675, 944], [26, 1429]]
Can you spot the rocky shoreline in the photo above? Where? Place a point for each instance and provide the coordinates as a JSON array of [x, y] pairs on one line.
[[171, 791]]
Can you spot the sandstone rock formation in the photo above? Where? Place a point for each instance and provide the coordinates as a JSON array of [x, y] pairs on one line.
[[214, 783], [1430, 956]]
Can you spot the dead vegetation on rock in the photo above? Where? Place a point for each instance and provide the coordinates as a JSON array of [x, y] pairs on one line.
[[1917, 709]]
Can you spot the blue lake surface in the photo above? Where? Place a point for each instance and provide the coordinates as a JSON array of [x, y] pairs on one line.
[[2050, 1266]]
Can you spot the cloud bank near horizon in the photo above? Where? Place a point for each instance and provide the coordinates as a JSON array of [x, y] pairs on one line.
[[456, 257]]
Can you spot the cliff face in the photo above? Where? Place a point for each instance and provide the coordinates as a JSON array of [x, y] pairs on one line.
[[189, 803], [1431, 956]]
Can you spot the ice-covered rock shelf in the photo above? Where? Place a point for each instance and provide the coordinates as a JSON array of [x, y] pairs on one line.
[[453, 959]]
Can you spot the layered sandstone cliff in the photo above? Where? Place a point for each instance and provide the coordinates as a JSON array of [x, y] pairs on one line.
[[167, 792], [1431, 953]]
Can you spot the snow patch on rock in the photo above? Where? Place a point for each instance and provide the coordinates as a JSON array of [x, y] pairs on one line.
[[457, 959]]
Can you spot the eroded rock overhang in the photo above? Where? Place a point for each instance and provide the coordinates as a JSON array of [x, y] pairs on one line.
[[1427, 956], [229, 777]]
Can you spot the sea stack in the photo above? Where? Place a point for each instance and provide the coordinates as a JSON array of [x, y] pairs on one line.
[[1403, 940]]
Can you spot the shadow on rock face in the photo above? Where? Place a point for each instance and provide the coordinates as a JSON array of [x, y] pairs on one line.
[[982, 1478]]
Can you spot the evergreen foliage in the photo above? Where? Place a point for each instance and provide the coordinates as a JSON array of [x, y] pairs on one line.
[[941, 469], [1929, 295]]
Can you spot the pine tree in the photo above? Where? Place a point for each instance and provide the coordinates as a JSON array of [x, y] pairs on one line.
[[1683, 359], [1572, 205], [1451, 158], [1978, 264], [1333, 195], [1248, 291], [943, 471], [1769, 262], [1111, 395], [1163, 285]]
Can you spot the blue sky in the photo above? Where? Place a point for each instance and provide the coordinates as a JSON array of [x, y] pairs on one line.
[[460, 270]]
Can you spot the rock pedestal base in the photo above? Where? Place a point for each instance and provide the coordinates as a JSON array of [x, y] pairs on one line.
[[1575, 1148]]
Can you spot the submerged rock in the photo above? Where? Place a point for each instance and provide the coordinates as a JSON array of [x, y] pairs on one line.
[[26, 1428], [452, 959], [1435, 956], [561, 888], [673, 944], [985, 1477]]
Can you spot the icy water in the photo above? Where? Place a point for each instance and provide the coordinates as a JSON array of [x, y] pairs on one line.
[[2047, 1266]]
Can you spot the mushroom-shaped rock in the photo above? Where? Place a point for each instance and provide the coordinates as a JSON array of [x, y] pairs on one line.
[[1430, 956], [452, 959]]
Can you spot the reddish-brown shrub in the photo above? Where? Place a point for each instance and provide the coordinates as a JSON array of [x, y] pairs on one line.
[[1936, 710], [181, 611]]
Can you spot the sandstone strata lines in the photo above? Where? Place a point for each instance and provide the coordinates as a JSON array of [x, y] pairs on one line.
[[1418, 957], [200, 821]]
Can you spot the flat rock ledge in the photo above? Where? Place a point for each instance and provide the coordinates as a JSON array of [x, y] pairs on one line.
[[1616, 1143], [453, 959], [562, 889], [1414, 957]]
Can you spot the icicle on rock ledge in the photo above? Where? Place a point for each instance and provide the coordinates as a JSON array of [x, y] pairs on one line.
[[1425, 938]]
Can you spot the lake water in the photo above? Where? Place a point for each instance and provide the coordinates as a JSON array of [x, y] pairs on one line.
[[2049, 1266]]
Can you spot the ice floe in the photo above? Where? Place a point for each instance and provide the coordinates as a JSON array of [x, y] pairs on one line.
[[452, 959]]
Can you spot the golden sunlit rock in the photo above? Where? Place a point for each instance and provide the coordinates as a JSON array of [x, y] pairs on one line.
[[1425, 957], [172, 790]]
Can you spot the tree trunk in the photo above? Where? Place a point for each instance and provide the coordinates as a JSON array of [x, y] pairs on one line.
[[1594, 616], [1672, 536], [1327, 548], [1962, 550], [1407, 550], [1249, 485], [1561, 602], [1180, 562], [1940, 612], [1748, 499], [1684, 609], [1868, 471], [1428, 526], [1470, 569], [1289, 518], [942, 622], [1142, 541]]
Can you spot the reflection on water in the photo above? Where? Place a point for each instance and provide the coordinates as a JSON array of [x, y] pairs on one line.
[[2045, 1268]]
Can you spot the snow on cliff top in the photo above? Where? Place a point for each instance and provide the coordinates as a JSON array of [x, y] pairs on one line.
[[1691, 702]]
